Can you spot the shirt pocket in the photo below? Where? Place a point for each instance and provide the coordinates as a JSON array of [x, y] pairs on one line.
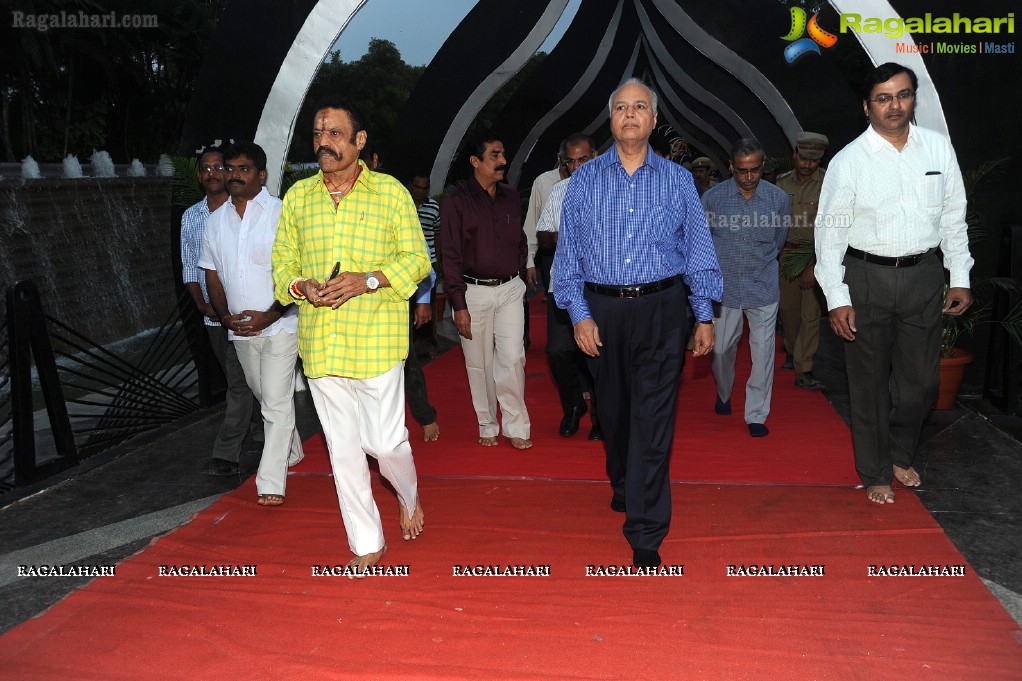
[[663, 224], [929, 191], [262, 250]]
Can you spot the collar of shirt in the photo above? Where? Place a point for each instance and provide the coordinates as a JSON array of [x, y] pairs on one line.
[[611, 158], [878, 143], [262, 199], [365, 181], [732, 188], [476, 188]]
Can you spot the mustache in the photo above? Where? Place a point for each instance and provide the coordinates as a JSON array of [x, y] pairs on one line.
[[236, 182], [501, 168], [324, 150]]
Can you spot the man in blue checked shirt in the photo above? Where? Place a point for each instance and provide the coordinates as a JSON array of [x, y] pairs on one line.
[[749, 221], [632, 229]]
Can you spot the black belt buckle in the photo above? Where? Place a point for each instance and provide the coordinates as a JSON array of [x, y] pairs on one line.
[[630, 292]]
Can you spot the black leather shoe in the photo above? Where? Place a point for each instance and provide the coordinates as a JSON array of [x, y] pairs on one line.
[[569, 424], [645, 558], [595, 434], [220, 468], [758, 430], [721, 407], [789, 363], [808, 381], [617, 504]]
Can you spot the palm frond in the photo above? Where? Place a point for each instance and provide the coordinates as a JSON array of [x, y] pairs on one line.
[[184, 186]]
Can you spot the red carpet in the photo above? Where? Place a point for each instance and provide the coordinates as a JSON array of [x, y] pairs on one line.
[[285, 624], [808, 444]]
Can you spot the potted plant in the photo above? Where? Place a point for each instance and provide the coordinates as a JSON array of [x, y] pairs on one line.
[[953, 359]]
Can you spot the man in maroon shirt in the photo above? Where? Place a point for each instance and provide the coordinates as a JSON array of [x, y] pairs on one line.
[[484, 252]]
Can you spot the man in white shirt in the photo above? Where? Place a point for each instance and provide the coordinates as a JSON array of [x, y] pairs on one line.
[[567, 363], [889, 199], [236, 256], [541, 255], [239, 403]]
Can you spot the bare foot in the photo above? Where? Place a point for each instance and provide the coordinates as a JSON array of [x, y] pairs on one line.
[[907, 476], [520, 442], [359, 565], [271, 499], [488, 441], [411, 527], [431, 432], [880, 494]]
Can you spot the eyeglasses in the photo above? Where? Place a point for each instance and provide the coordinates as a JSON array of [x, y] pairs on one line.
[[210, 169], [748, 172], [885, 99], [568, 161]]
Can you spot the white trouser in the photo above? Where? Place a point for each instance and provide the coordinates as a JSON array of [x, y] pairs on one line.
[[269, 365], [359, 417], [495, 357], [762, 346]]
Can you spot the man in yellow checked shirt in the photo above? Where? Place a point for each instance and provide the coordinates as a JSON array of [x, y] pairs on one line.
[[349, 250]]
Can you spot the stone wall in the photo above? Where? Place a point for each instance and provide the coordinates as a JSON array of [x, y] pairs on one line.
[[98, 249]]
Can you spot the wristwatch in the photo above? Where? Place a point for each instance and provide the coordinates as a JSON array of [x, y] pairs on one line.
[[372, 283], [711, 322]]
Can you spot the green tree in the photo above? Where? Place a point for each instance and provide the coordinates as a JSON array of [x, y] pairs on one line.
[[378, 83], [72, 89]]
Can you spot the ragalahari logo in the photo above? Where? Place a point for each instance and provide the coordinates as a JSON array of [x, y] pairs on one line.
[[800, 45]]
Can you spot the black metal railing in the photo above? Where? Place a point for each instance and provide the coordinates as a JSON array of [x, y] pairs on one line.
[[95, 397]]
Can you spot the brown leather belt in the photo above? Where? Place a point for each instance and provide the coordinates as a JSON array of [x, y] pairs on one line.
[[633, 291], [903, 261]]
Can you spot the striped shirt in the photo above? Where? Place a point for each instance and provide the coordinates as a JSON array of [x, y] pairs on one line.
[[891, 203], [550, 218], [429, 219], [625, 230], [537, 201], [373, 228], [193, 227], [748, 235]]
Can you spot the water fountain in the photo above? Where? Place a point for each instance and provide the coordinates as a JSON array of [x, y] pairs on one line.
[[136, 169], [102, 164], [30, 169], [99, 248], [164, 167], [72, 168]]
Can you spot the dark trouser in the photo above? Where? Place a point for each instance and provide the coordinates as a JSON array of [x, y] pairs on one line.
[[893, 364], [567, 363], [240, 406], [544, 260], [415, 387], [636, 384]]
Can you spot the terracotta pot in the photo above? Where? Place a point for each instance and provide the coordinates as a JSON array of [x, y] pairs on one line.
[[952, 369]]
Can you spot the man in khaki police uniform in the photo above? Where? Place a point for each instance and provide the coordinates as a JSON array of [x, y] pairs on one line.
[[701, 168], [801, 298]]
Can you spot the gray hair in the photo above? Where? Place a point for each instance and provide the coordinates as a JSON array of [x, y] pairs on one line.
[[747, 146], [631, 81]]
